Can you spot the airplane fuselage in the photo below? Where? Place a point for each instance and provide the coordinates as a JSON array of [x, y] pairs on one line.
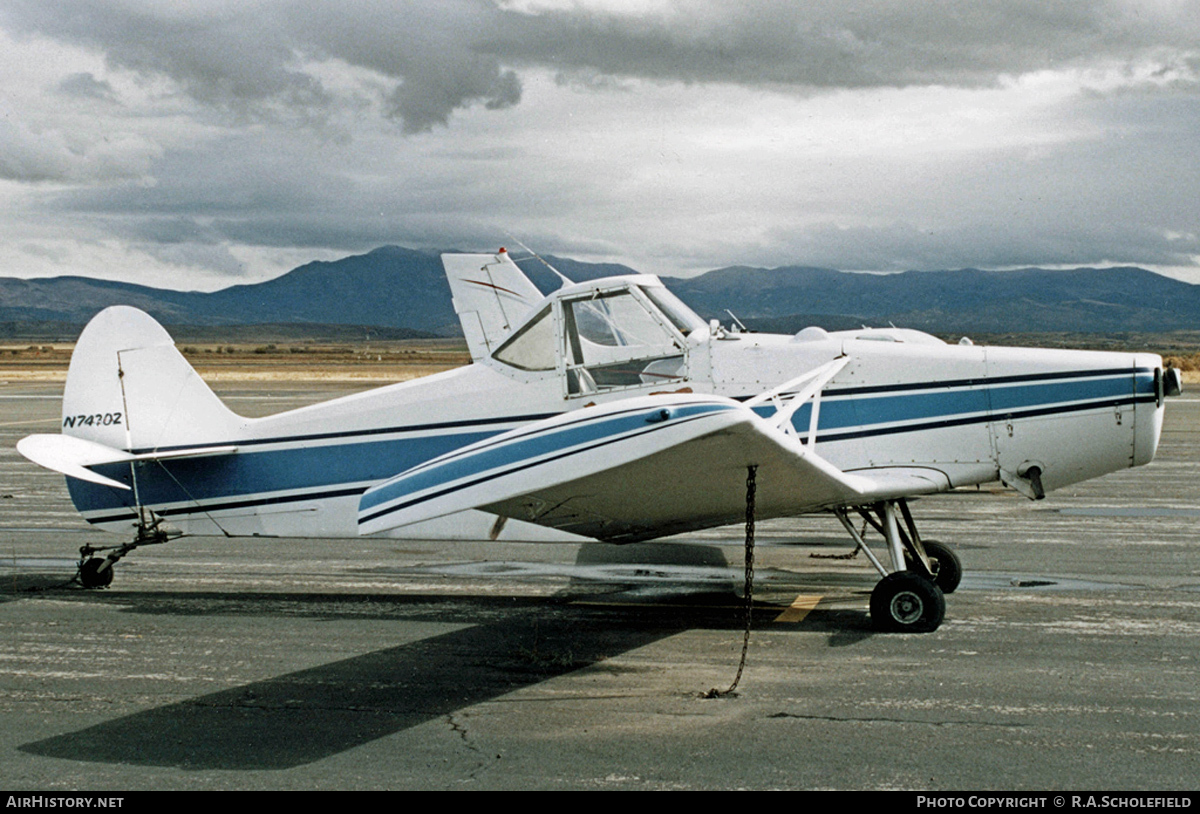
[[975, 414]]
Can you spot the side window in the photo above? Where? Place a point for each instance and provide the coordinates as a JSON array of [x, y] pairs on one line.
[[613, 340], [532, 347]]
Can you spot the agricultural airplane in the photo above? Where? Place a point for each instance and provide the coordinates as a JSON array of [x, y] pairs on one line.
[[606, 410]]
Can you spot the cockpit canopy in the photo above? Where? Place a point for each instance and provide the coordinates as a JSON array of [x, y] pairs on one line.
[[609, 334]]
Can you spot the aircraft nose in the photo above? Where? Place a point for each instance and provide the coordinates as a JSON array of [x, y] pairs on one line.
[[1168, 382]]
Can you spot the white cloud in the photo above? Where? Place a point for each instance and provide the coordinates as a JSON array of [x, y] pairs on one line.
[[215, 142]]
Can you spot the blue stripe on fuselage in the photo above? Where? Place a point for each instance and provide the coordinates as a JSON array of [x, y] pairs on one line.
[[333, 469], [840, 411], [309, 468]]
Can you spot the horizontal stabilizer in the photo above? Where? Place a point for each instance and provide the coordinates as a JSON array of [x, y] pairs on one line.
[[71, 456]]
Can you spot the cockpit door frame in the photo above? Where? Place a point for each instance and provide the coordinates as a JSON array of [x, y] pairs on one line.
[[577, 375]]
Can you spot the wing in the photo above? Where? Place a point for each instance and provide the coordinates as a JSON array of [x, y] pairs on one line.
[[633, 470]]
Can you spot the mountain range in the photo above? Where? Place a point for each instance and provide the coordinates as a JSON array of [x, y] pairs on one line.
[[396, 287]]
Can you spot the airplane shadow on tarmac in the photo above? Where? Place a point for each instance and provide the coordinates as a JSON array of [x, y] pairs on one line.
[[311, 714], [308, 715]]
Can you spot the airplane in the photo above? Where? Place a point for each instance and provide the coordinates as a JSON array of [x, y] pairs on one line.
[[607, 410]]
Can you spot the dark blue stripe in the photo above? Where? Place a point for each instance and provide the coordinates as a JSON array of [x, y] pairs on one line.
[[537, 444], [347, 434], [517, 463], [229, 476], [131, 514], [968, 420], [325, 471], [841, 413]]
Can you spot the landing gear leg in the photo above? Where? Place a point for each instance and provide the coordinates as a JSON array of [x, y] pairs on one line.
[[97, 572], [935, 559], [911, 597]]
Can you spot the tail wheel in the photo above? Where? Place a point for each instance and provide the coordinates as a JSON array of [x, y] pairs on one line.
[[91, 575], [906, 602]]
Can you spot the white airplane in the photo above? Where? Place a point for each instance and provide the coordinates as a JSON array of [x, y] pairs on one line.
[[606, 410]]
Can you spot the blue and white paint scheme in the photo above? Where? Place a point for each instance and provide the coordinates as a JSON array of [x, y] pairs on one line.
[[606, 410]]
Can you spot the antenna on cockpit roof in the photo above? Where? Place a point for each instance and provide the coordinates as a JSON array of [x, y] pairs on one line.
[[565, 279]]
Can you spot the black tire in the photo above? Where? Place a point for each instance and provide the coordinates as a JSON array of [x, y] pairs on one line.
[[906, 602], [90, 575], [947, 569]]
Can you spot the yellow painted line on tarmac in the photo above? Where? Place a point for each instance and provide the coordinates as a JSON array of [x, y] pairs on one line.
[[800, 607]]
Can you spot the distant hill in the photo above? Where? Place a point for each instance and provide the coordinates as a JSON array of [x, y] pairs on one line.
[[395, 287], [1085, 299], [389, 287]]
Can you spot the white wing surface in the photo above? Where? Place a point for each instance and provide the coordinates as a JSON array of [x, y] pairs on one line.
[[632, 470]]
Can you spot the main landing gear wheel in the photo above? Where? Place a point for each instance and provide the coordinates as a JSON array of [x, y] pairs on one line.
[[947, 569], [906, 602], [91, 575]]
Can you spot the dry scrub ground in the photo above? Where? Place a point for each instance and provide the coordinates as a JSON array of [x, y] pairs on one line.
[[382, 362], [367, 362]]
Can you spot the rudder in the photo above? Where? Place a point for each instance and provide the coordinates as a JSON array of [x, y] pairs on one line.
[[129, 388], [491, 295]]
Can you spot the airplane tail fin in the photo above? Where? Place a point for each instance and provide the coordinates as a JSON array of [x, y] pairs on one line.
[[129, 388], [491, 296]]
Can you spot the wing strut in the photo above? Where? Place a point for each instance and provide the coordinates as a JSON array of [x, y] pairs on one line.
[[813, 382]]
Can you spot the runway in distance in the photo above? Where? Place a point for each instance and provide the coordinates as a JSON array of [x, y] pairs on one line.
[[606, 410]]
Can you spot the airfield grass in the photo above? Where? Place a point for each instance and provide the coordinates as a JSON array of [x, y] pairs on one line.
[[386, 361]]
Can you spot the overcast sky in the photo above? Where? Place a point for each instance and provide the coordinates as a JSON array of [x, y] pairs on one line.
[[203, 144]]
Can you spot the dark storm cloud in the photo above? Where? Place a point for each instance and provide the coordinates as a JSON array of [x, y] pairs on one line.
[[84, 85], [251, 58], [987, 245], [436, 58], [810, 45], [233, 137], [227, 56], [436, 51]]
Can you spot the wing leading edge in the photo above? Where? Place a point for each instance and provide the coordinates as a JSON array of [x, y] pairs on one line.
[[633, 470]]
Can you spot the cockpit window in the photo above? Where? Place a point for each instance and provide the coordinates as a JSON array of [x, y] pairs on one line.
[[605, 340], [613, 339], [532, 347], [614, 320]]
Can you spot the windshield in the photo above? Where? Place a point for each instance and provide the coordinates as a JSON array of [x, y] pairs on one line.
[[683, 318]]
